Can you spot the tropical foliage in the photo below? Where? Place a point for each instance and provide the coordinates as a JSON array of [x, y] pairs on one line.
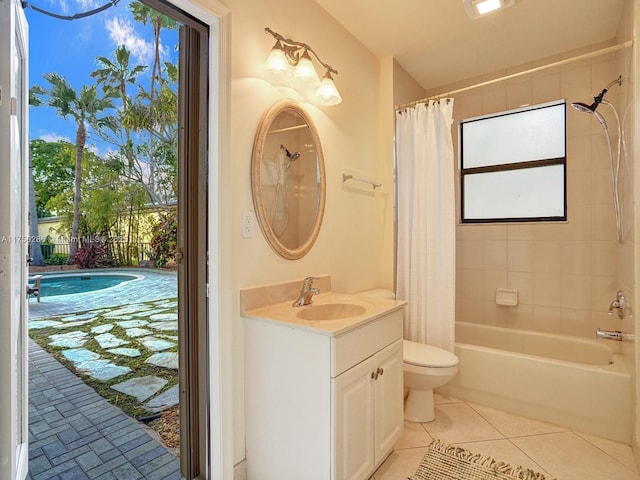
[[133, 110]]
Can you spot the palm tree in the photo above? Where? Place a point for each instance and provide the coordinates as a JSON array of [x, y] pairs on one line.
[[85, 108], [117, 73], [144, 14], [114, 76]]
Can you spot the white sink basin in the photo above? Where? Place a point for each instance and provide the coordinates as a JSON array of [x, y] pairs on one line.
[[330, 311]]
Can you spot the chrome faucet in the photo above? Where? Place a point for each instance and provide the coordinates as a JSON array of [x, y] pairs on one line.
[[609, 335], [618, 304], [306, 292]]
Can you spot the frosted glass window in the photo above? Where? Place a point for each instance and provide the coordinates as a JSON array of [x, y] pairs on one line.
[[515, 137], [513, 165], [508, 193]]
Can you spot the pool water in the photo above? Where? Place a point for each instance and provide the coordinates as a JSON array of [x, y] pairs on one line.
[[51, 286]]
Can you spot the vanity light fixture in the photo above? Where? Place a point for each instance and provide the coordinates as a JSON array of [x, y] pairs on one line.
[[478, 8], [289, 58]]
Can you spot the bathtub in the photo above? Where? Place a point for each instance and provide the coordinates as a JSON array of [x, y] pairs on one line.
[[580, 384]]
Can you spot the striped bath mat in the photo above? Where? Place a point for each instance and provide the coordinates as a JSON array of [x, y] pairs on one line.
[[448, 462]]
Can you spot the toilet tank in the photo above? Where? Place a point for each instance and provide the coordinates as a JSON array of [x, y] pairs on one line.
[[379, 293]]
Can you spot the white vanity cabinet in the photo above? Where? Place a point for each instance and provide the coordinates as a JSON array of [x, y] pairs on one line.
[[320, 406]]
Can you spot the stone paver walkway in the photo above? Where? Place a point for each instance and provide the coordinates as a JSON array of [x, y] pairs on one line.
[[74, 432]]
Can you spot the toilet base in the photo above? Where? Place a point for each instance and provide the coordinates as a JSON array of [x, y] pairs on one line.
[[419, 407]]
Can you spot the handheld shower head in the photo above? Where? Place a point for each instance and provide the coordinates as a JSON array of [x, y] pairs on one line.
[[591, 109], [583, 107], [291, 157]]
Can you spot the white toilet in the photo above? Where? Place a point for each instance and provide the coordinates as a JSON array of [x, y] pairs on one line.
[[425, 367]]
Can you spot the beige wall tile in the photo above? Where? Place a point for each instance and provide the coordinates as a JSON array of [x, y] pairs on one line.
[[469, 232], [471, 254], [494, 232], [604, 223], [602, 191], [576, 322], [604, 258], [518, 92], [547, 289], [492, 281], [520, 256], [576, 258], [576, 292], [548, 231], [523, 283], [495, 255], [471, 284], [545, 86], [566, 273], [579, 153], [520, 232], [521, 317], [579, 190], [547, 319], [603, 292], [547, 256]]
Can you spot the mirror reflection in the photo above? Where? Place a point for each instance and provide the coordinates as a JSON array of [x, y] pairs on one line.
[[288, 179]]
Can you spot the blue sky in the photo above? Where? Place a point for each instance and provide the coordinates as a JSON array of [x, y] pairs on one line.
[[70, 48]]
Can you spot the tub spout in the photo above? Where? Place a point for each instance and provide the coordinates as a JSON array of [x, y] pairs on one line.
[[609, 335]]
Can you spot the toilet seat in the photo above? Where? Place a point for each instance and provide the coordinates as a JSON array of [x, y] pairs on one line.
[[423, 355]]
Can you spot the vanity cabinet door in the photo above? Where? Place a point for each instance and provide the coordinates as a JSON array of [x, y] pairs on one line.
[[353, 430], [388, 389], [368, 417]]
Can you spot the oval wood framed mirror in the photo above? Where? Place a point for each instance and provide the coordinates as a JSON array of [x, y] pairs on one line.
[[288, 179]]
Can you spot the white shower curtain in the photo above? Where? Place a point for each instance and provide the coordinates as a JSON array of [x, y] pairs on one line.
[[426, 244]]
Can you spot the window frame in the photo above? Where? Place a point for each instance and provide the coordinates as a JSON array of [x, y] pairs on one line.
[[505, 167]]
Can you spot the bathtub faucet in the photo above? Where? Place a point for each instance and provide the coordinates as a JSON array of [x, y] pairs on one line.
[[618, 304], [306, 292], [609, 335]]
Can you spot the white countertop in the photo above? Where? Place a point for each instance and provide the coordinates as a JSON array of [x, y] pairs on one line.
[[286, 314]]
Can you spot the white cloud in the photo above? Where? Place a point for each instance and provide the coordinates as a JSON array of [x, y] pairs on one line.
[[121, 32], [61, 6], [54, 137], [70, 7], [86, 5]]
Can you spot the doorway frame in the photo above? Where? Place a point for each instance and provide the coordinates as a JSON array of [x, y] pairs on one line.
[[217, 18]]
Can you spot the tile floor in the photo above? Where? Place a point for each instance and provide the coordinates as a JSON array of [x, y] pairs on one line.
[[554, 451]]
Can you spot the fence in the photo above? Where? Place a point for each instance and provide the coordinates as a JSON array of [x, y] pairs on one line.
[[122, 252]]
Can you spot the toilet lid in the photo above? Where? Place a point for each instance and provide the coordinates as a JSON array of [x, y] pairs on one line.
[[427, 355]]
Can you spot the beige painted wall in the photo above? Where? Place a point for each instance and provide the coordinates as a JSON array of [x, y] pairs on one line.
[[353, 246]]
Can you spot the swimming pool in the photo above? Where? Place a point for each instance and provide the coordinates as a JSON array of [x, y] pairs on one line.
[[67, 284]]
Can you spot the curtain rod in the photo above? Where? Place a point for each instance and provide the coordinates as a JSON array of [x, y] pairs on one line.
[[585, 56]]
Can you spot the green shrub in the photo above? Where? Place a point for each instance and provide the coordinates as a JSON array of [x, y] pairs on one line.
[[164, 240], [57, 259]]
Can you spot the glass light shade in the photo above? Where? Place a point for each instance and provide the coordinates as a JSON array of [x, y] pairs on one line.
[[327, 93], [305, 73], [277, 63], [486, 6]]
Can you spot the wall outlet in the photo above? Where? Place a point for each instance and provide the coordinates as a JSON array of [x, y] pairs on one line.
[[248, 225]]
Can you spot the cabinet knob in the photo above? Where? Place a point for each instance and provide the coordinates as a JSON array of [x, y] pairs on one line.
[[380, 371], [373, 375]]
